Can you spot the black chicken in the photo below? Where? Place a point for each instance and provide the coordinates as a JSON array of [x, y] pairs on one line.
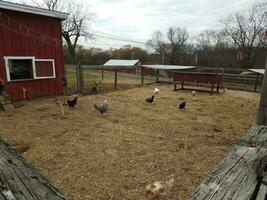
[[182, 105], [72, 103], [102, 108], [150, 99]]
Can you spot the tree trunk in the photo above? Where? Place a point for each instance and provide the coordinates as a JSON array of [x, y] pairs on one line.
[[262, 112], [71, 48]]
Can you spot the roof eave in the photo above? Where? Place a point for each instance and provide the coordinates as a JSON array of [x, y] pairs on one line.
[[33, 10]]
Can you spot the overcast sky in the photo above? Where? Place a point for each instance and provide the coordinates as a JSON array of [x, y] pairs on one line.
[[138, 19]]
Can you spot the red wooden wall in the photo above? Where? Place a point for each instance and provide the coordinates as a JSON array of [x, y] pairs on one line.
[[23, 34]]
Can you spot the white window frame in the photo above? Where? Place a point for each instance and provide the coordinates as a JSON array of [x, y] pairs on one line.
[[6, 58], [45, 77]]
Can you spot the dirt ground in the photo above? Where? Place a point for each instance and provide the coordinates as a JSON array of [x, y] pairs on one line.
[[114, 157]]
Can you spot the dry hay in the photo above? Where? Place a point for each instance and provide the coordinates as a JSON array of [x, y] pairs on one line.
[[115, 156]]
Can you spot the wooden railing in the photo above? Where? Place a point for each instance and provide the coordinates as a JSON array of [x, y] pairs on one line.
[[18, 180], [242, 174]]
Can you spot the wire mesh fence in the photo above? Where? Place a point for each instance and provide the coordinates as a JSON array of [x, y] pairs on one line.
[[98, 81]]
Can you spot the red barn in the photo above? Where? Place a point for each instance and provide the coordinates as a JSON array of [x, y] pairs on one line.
[[31, 52]]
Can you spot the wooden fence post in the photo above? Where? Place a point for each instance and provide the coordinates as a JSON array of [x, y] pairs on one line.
[[262, 112], [157, 74], [102, 75], [256, 83], [79, 79], [142, 76], [115, 83], [222, 78]]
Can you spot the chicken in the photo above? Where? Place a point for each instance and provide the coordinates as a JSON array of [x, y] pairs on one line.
[[159, 186], [156, 91], [150, 99], [102, 108], [193, 93], [182, 105], [72, 103]]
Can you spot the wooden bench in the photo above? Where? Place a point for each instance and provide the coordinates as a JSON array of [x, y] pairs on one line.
[[209, 78], [20, 181], [242, 174]]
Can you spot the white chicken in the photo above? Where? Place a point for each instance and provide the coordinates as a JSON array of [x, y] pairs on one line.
[[193, 93], [159, 186], [156, 91]]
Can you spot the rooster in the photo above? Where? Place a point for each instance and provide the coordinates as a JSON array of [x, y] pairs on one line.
[[150, 99], [182, 105], [102, 108], [72, 103]]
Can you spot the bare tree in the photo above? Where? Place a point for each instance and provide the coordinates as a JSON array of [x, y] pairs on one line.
[[51, 4], [177, 38], [158, 44], [77, 24], [246, 31], [210, 44], [75, 27], [172, 46]]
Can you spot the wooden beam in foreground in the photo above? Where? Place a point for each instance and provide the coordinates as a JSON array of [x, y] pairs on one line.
[[20, 181], [242, 174]]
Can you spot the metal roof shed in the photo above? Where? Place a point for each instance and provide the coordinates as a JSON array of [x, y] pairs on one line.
[[259, 74], [167, 67], [116, 64], [259, 71], [121, 63]]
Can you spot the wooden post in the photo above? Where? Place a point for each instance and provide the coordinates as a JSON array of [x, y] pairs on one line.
[[262, 112], [81, 80], [115, 83], [157, 74], [102, 75], [212, 88], [78, 77], [142, 76], [222, 77], [256, 83]]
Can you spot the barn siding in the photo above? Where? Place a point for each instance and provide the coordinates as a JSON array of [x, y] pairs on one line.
[[15, 41]]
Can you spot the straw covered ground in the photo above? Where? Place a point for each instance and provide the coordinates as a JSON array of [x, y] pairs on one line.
[[116, 156]]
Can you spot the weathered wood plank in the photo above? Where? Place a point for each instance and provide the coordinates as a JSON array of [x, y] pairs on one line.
[[238, 175], [19, 181], [262, 194]]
